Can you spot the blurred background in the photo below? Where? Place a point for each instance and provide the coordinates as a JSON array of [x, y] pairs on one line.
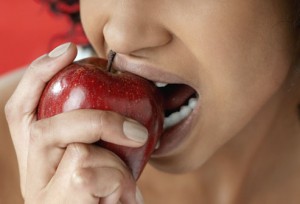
[[27, 30]]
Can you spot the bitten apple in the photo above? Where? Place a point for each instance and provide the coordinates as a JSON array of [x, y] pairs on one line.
[[87, 84]]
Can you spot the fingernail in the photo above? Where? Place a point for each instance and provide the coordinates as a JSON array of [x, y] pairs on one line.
[[138, 196], [135, 131], [58, 51]]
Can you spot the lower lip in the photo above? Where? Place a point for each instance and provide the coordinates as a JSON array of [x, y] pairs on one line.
[[173, 137]]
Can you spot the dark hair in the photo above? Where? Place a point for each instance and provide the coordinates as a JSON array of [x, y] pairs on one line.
[[67, 7], [70, 9]]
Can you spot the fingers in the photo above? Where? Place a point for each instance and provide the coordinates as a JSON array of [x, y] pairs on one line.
[[97, 184], [20, 109], [28, 92], [89, 174], [50, 137], [40, 145], [88, 126]]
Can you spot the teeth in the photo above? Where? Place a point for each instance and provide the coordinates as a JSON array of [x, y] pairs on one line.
[[173, 119], [185, 111], [177, 117], [157, 144], [193, 102], [159, 84]]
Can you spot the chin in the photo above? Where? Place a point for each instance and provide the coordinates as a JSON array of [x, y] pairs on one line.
[[186, 159], [176, 165]]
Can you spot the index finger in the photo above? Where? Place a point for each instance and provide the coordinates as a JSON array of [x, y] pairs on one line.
[[20, 109], [27, 94]]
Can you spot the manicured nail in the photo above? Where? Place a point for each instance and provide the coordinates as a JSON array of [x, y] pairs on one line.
[[58, 51], [135, 131], [138, 196]]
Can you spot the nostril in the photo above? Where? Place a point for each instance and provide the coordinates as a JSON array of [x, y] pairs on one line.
[[127, 33], [122, 37]]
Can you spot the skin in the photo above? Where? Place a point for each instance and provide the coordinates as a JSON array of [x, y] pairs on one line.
[[240, 56], [231, 52]]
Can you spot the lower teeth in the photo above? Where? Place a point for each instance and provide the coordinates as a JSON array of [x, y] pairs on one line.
[[157, 144], [177, 117]]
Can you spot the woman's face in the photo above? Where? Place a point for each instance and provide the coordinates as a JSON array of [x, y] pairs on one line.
[[234, 53]]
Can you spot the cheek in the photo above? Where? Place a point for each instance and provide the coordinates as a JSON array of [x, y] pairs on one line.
[[235, 94], [245, 71], [244, 61], [243, 65], [229, 109]]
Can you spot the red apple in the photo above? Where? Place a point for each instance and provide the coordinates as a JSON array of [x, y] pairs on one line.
[[87, 84]]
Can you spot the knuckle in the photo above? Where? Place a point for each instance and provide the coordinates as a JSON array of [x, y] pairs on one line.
[[102, 122], [9, 110], [96, 122], [15, 108], [119, 179], [82, 152], [82, 178], [39, 129], [116, 181], [100, 182], [110, 158], [115, 158]]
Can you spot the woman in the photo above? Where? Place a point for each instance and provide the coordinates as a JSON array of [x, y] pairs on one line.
[[240, 144]]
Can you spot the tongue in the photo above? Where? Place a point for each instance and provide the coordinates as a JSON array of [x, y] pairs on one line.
[[175, 95]]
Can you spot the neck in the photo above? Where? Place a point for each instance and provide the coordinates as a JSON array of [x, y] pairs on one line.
[[271, 139]]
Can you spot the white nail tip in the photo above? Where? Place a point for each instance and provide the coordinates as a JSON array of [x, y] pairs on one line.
[[60, 50]]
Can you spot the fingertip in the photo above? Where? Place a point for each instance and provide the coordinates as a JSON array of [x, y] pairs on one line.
[[63, 54], [49, 64], [40, 71], [135, 131], [60, 50], [66, 52]]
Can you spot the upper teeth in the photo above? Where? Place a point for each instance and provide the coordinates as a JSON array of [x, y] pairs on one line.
[[176, 117], [159, 84]]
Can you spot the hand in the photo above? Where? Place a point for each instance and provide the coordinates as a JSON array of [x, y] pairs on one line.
[[58, 162]]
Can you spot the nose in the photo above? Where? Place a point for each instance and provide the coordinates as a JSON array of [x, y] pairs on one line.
[[133, 27]]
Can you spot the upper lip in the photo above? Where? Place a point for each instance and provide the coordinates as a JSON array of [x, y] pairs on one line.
[[145, 69]]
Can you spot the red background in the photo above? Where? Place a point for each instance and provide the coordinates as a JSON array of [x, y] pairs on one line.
[[27, 30]]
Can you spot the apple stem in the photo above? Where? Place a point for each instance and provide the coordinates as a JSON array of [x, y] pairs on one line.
[[111, 56]]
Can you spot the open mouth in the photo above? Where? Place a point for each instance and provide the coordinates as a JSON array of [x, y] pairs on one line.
[[180, 100]]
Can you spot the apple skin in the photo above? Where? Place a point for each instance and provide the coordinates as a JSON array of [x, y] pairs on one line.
[[87, 84]]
